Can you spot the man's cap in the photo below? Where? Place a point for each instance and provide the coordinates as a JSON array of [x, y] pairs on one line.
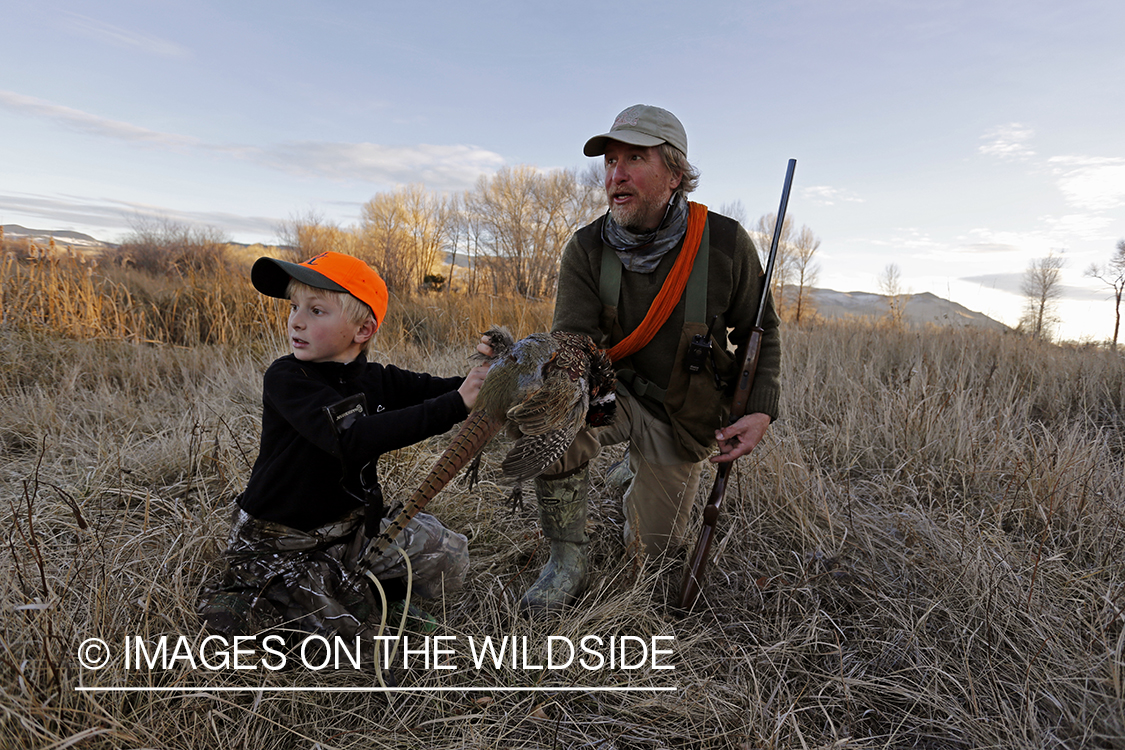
[[334, 272], [641, 125]]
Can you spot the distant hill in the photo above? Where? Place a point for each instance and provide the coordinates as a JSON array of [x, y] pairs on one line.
[[77, 239], [921, 309], [62, 237]]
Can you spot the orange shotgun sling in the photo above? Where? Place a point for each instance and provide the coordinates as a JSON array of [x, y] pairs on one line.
[[670, 293]]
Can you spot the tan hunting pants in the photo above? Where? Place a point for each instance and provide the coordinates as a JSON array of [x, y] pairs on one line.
[[658, 502]]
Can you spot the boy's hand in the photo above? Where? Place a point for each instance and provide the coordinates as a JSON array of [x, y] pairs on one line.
[[485, 346], [471, 387]]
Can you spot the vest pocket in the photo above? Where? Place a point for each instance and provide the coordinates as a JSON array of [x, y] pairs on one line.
[[696, 406]]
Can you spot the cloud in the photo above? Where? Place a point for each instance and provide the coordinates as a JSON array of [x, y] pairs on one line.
[[987, 247], [119, 37], [116, 216], [1093, 187], [984, 239], [908, 238], [826, 195], [1082, 293], [448, 167], [1008, 142], [1013, 284], [1090, 182], [92, 124], [1087, 227], [1004, 282], [1051, 233], [440, 167], [70, 210]]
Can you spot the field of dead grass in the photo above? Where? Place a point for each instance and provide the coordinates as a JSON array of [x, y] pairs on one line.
[[927, 550]]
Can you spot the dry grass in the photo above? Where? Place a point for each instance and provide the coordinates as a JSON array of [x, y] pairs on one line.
[[926, 552]]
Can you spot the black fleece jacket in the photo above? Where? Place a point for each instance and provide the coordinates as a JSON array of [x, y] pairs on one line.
[[305, 476]]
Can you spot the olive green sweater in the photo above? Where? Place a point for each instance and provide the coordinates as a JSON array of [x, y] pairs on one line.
[[733, 291]]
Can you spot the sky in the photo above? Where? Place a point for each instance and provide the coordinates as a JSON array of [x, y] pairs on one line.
[[960, 141]]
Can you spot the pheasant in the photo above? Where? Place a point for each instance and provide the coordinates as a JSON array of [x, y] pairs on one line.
[[546, 386]]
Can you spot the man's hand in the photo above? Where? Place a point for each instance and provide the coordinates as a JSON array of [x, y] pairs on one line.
[[741, 437]]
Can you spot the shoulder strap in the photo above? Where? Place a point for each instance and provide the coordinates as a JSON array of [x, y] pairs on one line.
[[670, 293], [609, 285], [695, 311], [695, 307]]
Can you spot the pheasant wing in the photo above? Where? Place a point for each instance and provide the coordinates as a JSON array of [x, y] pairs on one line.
[[533, 453], [550, 406]]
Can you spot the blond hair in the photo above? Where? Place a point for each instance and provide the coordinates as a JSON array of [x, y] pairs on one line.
[[353, 310], [677, 163]]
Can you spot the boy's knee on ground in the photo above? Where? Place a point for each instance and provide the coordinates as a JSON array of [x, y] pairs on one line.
[[445, 569], [439, 558]]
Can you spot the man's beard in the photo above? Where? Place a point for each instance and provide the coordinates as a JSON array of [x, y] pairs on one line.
[[639, 217]]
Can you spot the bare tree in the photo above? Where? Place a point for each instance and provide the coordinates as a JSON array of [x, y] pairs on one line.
[[429, 221], [592, 178], [305, 234], [1042, 288], [405, 234], [805, 271], [385, 241], [525, 218], [890, 284], [763, 237], [456, 230], [565, 205], [470, 230], [504, 203], [1113, 274], [159, 245], [735, 210]]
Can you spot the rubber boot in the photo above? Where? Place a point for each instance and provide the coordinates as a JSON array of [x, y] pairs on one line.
[[620, 474], [562, 514]]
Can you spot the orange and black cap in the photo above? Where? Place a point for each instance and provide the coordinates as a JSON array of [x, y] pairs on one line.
[[331, 271]]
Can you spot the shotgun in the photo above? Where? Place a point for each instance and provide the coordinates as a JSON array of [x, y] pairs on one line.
[[693, 572]]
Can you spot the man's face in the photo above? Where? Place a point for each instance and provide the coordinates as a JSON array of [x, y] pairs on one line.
[[318, 330], [638, 185]]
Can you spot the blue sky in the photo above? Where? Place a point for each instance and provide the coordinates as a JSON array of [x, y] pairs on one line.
[[959, 140]]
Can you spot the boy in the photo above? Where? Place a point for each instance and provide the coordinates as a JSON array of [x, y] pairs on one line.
[[313, 499]]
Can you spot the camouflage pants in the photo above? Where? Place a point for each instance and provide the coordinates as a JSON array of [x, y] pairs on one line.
[[281, 577]]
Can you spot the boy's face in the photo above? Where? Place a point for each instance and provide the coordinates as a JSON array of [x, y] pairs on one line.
[[319, 332]]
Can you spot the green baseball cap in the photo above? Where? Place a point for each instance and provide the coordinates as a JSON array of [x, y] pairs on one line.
[[641, 125]]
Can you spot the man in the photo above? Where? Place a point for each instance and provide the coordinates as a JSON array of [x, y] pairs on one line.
[[610, 287]]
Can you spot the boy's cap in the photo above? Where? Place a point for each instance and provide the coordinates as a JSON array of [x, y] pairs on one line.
[[641, 125], [335, 272]]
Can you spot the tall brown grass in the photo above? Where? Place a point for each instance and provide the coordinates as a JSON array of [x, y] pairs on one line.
[[926, 551], [83, 299]]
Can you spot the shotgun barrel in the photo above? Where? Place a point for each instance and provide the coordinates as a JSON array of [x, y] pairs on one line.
[[697, 563]]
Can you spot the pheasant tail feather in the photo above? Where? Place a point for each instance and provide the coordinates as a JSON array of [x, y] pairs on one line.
[[474, 434]]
